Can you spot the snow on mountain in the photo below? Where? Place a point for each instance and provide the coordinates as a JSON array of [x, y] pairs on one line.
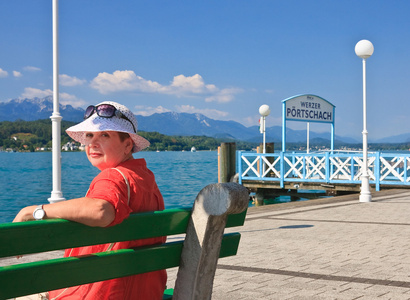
[[169, 123]]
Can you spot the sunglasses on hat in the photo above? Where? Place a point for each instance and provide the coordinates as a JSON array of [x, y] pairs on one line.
[[106, 111]]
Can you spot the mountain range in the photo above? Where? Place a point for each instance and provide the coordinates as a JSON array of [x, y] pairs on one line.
[[173, 123]]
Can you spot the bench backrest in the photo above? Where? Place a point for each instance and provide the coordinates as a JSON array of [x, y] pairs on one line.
[[217, 206]]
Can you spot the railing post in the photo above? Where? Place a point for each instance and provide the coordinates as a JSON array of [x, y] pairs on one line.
[[352, 167], [327, 164], [377, 170], [269, 148], [282, 170], [239, 165]]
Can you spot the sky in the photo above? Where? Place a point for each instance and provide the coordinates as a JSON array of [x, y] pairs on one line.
[[223, 59]]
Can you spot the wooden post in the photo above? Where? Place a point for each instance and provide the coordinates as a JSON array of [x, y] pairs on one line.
[[259, 196], [203, 238], [269, 148], [226, 162]]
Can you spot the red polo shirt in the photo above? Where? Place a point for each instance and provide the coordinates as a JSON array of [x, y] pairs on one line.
[[144, 196]]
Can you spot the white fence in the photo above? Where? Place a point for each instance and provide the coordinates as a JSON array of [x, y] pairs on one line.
[[324, 167]]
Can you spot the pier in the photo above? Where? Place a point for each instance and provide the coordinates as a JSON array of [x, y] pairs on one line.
[[335, 172]]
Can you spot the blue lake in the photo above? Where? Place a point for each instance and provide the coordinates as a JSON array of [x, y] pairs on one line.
[[26, 178]]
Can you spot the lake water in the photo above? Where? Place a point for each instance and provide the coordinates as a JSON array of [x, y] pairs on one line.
[[26, 178]]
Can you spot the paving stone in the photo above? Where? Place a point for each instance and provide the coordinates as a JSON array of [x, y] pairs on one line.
[[337, 249]]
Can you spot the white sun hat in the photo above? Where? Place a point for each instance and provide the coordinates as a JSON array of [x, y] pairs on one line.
[[122, 123]]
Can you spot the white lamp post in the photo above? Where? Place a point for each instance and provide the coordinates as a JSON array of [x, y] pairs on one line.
[[264, 111], [364, 49], [56, 194]]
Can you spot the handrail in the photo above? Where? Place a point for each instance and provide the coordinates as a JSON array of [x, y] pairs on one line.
[[324, 167]]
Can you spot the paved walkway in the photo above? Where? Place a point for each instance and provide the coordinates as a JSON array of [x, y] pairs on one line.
[[336, 248]]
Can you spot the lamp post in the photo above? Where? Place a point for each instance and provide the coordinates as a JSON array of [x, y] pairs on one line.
[[56, 193], [364, 49], [264, 111]]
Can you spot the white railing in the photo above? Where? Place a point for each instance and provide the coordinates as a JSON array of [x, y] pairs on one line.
[[324, 167]]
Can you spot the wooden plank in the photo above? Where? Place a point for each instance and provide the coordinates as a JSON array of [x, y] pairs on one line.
[[24, 279], [48, 235], [235, 220], [168, 293]]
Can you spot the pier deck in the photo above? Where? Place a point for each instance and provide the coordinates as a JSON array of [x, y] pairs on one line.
[[331, 248]]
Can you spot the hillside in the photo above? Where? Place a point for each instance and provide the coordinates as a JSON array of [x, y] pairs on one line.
[[178, 124]]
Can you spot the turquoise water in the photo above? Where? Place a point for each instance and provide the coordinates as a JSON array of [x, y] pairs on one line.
[[26, 178]]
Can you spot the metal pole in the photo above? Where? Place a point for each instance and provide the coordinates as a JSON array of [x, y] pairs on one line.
[[365, 195], [264, 143], [264, 136], [264, 111], [283, 127], [56, 194], [307, 146]]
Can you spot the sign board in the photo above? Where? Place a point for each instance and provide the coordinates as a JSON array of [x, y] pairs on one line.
[[309, 108]]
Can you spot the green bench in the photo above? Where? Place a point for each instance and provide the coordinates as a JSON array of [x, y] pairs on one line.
[[202, 242]]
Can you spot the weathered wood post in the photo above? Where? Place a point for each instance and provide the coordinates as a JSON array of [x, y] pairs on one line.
[[203, 239], [226, 162], [269, 148]]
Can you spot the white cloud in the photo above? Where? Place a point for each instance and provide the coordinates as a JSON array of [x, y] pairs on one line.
[[223, 96], [31, 69], [270, 120], [64, 98], [72, 100], [3, 73], [123, 81], [181, 85], [211, 113], [66, 80], [250, 121], [148, 110], [17, 74], [33, 92]]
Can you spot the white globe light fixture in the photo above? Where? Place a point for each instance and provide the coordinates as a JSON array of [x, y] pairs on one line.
[[264, 111], [364, 49]]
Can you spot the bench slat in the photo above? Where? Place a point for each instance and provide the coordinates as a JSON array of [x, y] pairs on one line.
[[48, 235], [168, 293], [24, 279]]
